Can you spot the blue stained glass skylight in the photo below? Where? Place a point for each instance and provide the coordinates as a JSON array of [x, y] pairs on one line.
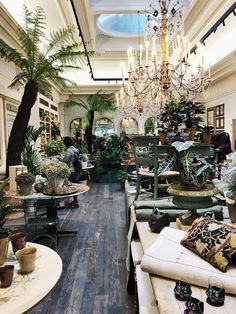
[[121, 25]]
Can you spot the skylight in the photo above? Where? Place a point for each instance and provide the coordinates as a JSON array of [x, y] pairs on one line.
[[121, 25]]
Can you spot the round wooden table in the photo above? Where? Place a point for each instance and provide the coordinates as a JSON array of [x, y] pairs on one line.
[[27, 290]]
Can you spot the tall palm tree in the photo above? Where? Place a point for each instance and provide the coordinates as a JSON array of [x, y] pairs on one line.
[[41, 63], [99, 102]]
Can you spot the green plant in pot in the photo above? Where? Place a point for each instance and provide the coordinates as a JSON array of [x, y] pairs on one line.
[[205, 132], [54, 148], [194, 190], [193, 111], [172, 115], [24, 181]]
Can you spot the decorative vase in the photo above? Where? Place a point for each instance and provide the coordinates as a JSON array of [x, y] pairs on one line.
[[231, 204], [55, 184], [25, 189], [4, 242]]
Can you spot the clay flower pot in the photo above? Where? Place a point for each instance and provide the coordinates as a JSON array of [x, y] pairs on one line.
[[18, 241], [26, 258], [4, 242], [6, 275]]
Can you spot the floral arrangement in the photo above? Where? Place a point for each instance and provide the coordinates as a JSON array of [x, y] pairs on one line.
[[60, 169], [54, 148], [25, 178]]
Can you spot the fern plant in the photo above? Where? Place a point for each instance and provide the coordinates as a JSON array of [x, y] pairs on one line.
[[38, 69]]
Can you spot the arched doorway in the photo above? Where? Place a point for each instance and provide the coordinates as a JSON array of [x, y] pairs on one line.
[[129, 125], [104, 126], [150, 125]]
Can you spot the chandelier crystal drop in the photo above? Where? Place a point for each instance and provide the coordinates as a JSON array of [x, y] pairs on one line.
[[153, 77]]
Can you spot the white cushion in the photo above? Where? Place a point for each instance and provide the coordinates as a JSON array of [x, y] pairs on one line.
[[136, 251], [146, 299], [168, 258]]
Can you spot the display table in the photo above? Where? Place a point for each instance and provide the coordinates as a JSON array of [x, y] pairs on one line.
[[28, 290], [163, 288]]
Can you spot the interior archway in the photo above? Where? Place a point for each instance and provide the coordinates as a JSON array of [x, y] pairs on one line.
[[104, 126], [129, 125]]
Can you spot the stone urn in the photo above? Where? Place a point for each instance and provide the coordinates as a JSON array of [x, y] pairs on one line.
[[25, 189], [55, 184], [191, 200], [230, 198]]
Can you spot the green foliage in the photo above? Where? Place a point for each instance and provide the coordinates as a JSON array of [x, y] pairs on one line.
[[60, 169], [111, 156], [60, 53], [171, 115], [189, 164], [122, 175], [192, 110], [3, 184], [232, 183], [205, 128], [30, 155], [99, 171], [54, 148]]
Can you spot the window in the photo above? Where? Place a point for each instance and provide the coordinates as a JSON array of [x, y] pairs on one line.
[[215, 117]]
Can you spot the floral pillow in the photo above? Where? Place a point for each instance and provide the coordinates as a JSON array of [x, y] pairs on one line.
[[213, 241]]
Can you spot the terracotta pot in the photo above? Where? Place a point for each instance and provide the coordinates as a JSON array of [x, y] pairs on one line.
[[26, 258], [205, 138], [3, 250], [18, 241], [231, 204], [192, 132], [6, 275], [162, 137]]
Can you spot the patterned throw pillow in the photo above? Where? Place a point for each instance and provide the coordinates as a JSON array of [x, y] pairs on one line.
[[213, 241]]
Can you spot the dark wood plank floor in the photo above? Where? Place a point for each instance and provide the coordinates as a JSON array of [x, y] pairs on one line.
[[94, 273]]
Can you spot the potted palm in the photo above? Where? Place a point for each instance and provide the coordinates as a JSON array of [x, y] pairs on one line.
[[205, 133], [24, 181]]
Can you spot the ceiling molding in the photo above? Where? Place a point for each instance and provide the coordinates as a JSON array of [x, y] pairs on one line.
[[202, 15], [224, 68]]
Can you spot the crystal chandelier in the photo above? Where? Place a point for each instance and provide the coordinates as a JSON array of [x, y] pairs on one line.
[[152, 78]]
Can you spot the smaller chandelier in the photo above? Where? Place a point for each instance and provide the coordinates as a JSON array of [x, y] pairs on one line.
[[152, 78]]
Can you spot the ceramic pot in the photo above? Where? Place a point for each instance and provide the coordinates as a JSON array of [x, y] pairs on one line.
[[18, 241], [25, 189], [162, 137], [6, 275], [231, 204], [192, 132], [3, 250], [39, 187], [26, 258]]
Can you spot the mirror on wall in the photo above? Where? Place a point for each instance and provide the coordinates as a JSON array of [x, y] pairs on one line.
[[104, 126], [129, 125]]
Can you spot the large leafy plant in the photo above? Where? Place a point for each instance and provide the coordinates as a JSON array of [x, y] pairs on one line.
[[41, 63], [30, 155], [192, 111], [190, 165], [54, 148], [112, 155]]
